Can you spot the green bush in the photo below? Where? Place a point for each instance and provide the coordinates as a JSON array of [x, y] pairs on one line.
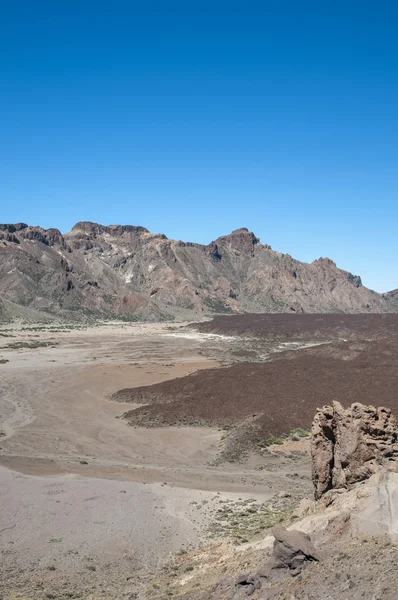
[[300, 432], [275, 440]]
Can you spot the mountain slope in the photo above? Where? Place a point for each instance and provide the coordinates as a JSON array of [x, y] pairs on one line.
[[127, 271], [392, 298]]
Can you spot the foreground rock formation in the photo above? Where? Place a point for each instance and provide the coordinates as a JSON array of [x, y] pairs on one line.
[[354, 455], [123, 270], [291, 551], [343, 546], [350, 445]]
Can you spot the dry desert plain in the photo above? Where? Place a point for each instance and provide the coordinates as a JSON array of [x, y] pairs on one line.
[[92, 507]]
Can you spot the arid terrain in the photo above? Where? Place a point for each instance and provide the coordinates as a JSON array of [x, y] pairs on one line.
[[126, 272], [288, 366], [133, 455], [88, 502]]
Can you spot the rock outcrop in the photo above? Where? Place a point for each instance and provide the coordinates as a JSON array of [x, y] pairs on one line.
[[106, 271], [392, 298], [346, 539], [292, 550], [348, 446]]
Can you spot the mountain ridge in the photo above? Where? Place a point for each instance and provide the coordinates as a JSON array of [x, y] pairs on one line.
[[126, 271]]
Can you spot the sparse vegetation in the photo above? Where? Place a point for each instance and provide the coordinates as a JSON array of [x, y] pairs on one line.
[[30, 345], [275, 440], [3, 361], [246, 519], [217, 306], [299, 432]]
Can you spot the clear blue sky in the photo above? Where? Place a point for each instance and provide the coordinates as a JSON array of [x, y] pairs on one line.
[[195, 118]]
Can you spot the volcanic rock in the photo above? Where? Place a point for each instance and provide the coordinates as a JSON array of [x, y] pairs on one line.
[[292, 550], [348, 446], [43, 270]]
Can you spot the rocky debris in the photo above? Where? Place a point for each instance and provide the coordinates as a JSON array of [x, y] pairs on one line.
[[284, 494], [346, 540], [250, 583], [292, 550], [348, 446], [283, 394]]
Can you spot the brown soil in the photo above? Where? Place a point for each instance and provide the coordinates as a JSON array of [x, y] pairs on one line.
[[304, 326], [89, 505], [277, 396]]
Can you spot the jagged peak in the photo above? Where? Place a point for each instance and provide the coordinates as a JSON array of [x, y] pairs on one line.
[[239, 234], [328, 262], [21, 231], [324, 261], [13, 227], [91, 228], [240, 230], [236, 269]]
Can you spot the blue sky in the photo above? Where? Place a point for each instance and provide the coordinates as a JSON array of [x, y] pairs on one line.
[[195, 118]]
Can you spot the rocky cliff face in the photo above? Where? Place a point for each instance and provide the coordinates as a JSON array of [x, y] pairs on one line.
[[392, 298], [338, 538], [123, 270], [348, 446]]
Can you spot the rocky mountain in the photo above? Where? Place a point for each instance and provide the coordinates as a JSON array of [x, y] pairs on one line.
[[126, 271], [393, 298]]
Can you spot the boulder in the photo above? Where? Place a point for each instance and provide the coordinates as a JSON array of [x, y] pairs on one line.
[[290, 544], [292, 551]]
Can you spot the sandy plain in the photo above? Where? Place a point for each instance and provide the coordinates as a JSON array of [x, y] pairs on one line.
[[88, 504]]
